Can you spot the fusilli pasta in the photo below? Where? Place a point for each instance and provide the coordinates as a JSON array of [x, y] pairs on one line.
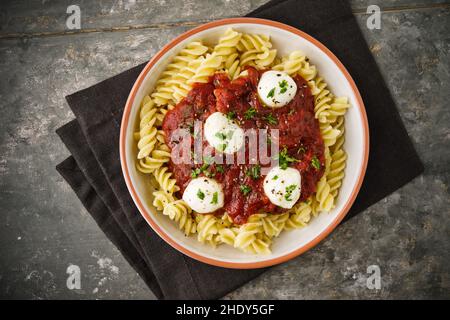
[[231, 54]]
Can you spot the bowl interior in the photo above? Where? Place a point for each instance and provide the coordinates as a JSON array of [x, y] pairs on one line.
[[288, 241]]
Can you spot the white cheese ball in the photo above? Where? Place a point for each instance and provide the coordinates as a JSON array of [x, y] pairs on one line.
[[204, 195], [223, 134], [276, 88], [283, 186]]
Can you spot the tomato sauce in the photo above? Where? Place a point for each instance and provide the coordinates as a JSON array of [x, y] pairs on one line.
[[299, 138]]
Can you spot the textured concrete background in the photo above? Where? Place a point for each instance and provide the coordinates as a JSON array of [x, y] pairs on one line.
[[44, 228]]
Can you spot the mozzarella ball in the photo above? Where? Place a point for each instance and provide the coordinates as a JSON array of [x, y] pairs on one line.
[[223, 134], [276, 88], [204, 195], [283, 186]]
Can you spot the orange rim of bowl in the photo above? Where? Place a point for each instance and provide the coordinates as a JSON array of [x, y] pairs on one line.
[[147, 216]]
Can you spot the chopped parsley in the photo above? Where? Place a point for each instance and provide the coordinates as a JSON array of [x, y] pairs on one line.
[[231, 115], [250, 113], [271, 119], [222, 147], [196, 172], [204, 168], [275, 178], [225, 136], [208, 159], [214, 198], [284, 159], [245, 189], [200, 194], [219, 168], [221, 135], [289, 190], [254, 172], [283, 86], [209, 174], [315, 163], [271, 93]]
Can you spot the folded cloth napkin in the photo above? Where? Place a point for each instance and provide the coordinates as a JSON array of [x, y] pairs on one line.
[[94, 173]]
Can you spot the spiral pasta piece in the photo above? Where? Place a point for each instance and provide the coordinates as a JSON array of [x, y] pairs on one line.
[[207, 67], [301, 215], [163, 177], [158, 158], [256, 51], [207, 229], [180, 212], [337, 108], [147, 132], [181, 83], [226, 49], [323, 196], [336, 173], [308, 71], [162, 111], [340, 139], [228, 235], [163, 93], [329, 134], [291, 64], [161, 199], [273, 224]]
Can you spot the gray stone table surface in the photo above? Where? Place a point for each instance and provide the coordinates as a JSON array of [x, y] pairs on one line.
[[44, 228]]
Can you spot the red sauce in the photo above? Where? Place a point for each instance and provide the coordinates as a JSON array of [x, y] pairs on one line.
[[299, 133]]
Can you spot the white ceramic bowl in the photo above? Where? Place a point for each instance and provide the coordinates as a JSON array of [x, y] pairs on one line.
[[290, 243]]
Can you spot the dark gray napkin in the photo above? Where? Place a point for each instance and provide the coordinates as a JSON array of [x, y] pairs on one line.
[[94, 173]]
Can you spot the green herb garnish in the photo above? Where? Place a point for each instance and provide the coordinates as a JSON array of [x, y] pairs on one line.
[[208, 160], [221, 135], [225, 136], [315, 163], [271, 119], [245, 189], [289, 190], [275, 178], [254, 172], [250, 113], [214, 198], [219, 168], [271, 93], [195, 172], [222, 147], [283, 85], [200, 194], [231, 115], [203, 169], [284, 159], [209, 174]]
